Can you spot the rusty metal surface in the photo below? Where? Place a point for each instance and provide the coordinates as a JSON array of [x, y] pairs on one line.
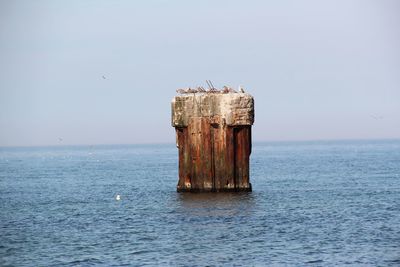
[[213, 156], [213, 132]]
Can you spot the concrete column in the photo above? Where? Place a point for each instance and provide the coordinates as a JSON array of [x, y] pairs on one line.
[[213, 136]]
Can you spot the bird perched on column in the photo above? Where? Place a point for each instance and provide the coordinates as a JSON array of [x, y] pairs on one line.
[[191, 91], [241, 90], [231, 90], [225, 89]]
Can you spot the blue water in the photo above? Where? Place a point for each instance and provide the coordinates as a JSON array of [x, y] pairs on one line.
[[313, 204]]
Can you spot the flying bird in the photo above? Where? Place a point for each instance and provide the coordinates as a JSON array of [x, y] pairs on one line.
[[104, 77], [378, 117]]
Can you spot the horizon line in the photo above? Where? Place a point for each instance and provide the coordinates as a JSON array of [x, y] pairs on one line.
[[169, 143]]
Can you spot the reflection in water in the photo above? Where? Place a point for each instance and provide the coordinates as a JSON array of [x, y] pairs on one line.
[[215, 204], [204, 221]]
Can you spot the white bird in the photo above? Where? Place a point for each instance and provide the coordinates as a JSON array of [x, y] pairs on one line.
[[117, 197], [241, 90]]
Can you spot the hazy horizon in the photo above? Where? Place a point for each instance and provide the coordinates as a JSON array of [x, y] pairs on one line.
[[255, 142], [317, 70]]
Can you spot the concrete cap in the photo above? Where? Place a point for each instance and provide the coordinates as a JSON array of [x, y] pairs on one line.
[[233, 109]]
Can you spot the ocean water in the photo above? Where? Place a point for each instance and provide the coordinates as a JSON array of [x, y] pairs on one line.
[[313, 204]]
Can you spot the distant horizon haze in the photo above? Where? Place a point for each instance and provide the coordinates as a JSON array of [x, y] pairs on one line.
[[255, 142]]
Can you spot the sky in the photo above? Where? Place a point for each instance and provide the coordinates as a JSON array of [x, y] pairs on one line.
[[318, 70]]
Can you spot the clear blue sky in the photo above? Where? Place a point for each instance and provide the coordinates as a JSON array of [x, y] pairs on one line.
[[317, 69]]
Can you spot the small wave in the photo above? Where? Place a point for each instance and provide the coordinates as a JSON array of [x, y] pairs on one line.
[[314, 261], [87, 260], [393, 261], [138, 252]]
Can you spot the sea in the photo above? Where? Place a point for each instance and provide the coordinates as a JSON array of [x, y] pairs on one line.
[[314, 203]]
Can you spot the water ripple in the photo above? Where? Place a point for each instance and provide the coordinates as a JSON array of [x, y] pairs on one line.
[[313, 204]]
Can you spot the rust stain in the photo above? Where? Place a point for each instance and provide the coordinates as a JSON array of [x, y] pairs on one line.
[[214, 147], [212, 157]]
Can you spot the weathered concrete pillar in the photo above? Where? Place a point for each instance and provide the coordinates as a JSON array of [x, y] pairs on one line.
[[213, 136]]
